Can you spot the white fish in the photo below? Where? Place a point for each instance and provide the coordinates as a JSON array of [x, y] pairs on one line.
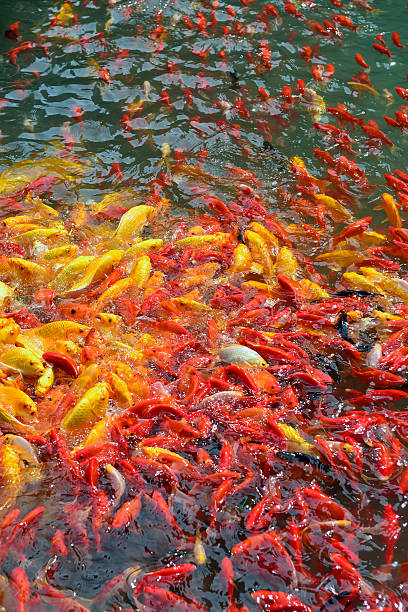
[[237, 353]]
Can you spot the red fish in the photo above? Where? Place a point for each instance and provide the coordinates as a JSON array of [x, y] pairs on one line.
[[403, 93], [265, 54], [104, 75], [164, 98], [292, 10], [395, 37], [77, 113], [116, 171], [308, 52], [14, 52], [343, 114], [329, 71], [344, 21], [38, 187], [381, 49], [360, 60], [12, 33], [376, 134]]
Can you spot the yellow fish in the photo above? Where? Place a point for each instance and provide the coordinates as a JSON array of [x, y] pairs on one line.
[[132, 222], [22, 173], [65, 15], [342, 257], [91, 407], [22, 360], [286, 263], [359, 281], [391, 210], [198, 241], [17, 402], [96, 270], [59, 330], [60, 252], [140, 271], [363, 87], [68, 273], [337, 210], [259, 251], [44, 383], [113, 292], [294, 439]]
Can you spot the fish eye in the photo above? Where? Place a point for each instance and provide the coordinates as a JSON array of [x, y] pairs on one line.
[[31, 362], [73, 310]]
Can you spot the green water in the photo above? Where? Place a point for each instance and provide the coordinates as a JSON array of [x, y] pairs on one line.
[[38, 111]]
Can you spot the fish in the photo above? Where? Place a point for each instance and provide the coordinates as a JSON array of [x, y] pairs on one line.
[[192, 358], [363, 87], [94, 271], [314, 103], [236, 353], [132, 222], [21, 360], [92, 405], [17, 402]]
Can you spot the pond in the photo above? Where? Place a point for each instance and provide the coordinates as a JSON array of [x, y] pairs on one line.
[[204, 304]]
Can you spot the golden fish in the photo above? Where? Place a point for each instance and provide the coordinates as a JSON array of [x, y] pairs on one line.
[[125, 198], [12, 423], [341, 257], [96, 270], [132, 222], [9, 333], [113, 292], [312, 291], [58, 330], [24, 449], [259, 251], [286, 263], [260, 287], [17, 402], [90, 407], [293, 439], [42, 233], [44, 383], [68, 273], [22, 360], [5, 292], [87, 378], [65, 14], [25, 268], [140, 271], [391, 210], [359, 281], [337, 210], [120, 389], [241, 259], [22, 173], [363, 87], [198, 241], [60, 252], [152, 244], [108, 321], [98, 433]]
